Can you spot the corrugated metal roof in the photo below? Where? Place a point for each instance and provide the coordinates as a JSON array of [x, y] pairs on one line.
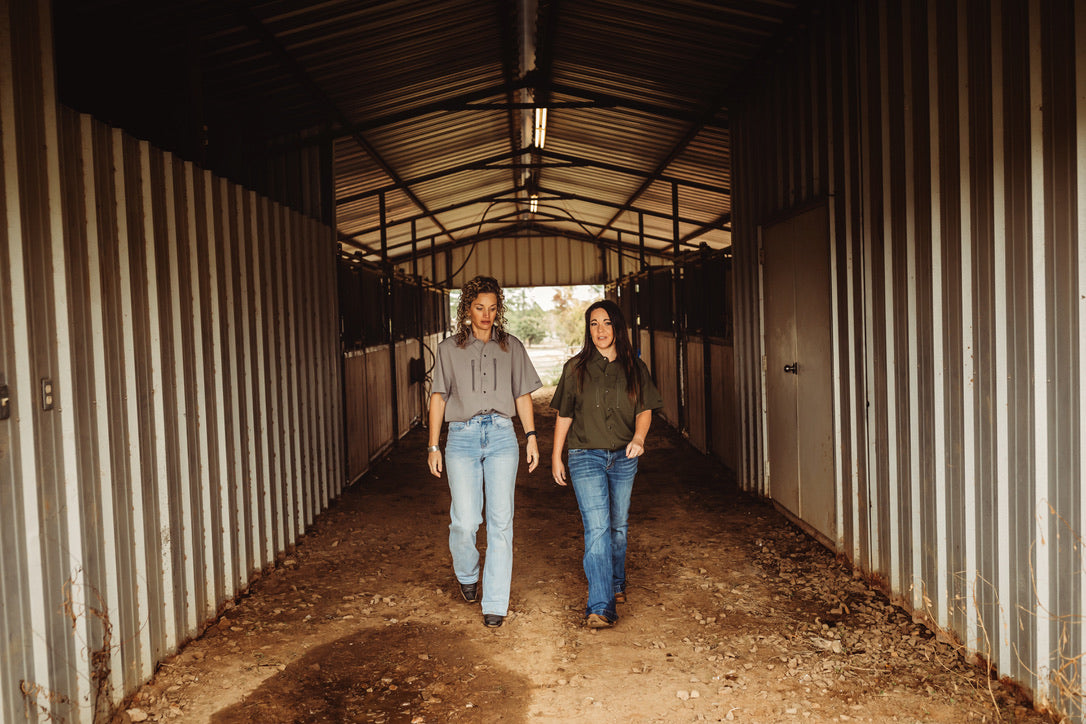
[[431, 104]]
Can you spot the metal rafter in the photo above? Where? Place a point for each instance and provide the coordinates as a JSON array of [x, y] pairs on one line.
[[696, 128], [331, 110], [507, 28], [605, 100], [546, 32], [519, 226], [550, 195], [566, 159]]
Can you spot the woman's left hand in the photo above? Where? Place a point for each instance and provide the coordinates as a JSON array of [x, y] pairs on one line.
[[635, 448], [531, 449]]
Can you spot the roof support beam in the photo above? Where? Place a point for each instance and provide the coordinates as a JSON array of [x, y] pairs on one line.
[[508, 29], [579, 161], [471, 166], [567, 160], [549, 195], [622, 208], [331, 110], [520, 226], [721, 222], [677, 149], [610, 101], [530, 227]]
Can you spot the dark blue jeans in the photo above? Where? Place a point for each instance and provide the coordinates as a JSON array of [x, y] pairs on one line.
[[603, 481]]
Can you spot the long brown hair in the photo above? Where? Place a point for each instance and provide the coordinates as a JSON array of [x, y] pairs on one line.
[[471, 290], [624, 354]]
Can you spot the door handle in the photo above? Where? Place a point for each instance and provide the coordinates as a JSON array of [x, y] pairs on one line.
[[793, 368]]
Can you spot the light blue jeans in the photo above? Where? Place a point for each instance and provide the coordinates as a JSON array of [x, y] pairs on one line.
[[481, 458], [603, 481]]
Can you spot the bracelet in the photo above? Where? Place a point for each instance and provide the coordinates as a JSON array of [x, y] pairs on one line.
[[433, 448], [529, 434]]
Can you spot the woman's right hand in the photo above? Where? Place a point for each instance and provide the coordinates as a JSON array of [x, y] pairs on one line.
[[434, 461], [558, 469]]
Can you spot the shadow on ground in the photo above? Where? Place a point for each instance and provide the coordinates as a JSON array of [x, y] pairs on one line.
[[420, 671]]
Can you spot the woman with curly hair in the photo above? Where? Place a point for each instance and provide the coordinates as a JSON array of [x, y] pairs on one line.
[[604, 400], [482, 379]]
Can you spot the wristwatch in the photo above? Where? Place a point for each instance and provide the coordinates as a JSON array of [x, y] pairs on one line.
[[433, 448]]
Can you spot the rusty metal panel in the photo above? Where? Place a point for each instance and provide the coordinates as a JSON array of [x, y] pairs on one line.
[[666, 376], [722, 437], [725, 438], [694, 393], [940, 132], [407, 395], [357, 414], [378, 375]]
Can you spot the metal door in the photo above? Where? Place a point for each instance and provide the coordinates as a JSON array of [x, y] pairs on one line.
[[799, 413]]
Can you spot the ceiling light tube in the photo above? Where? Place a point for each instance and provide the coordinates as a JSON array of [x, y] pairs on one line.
[[534, 205], [540, 136]]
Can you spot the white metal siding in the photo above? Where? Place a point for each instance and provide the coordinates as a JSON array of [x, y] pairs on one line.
[[189, 328], [527, 262], [947, 139]]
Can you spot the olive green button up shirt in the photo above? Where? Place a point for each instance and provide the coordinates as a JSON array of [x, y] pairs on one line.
[[603, 414]]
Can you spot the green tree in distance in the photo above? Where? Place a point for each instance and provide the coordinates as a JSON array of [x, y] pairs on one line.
[[525, 318], [568, 319]]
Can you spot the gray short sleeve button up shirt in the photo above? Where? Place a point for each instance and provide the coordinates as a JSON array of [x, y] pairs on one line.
[[482, 377]]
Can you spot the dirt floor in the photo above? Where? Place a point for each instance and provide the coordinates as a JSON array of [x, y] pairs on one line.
[[733, 615]]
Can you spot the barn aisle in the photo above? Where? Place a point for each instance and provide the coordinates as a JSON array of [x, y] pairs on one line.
[[733, 615]]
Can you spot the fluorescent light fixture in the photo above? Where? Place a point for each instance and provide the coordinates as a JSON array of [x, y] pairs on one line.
[[534, 204], [540, 136]]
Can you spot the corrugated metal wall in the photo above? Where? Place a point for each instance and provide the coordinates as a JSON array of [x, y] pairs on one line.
[[948, 142], [529, 261], [368, 395], [720, 438], [169, 350]]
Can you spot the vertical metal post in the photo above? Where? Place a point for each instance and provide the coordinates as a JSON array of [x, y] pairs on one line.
[[326, 187], [327, 184], [641, 239], [706, 354], [386, 271], [433, 260], [618, 252], [677, 321], [419, 333], [652, 297], [448, 285]]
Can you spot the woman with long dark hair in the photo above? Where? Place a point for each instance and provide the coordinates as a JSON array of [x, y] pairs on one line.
[[482, 379], [604, 400]]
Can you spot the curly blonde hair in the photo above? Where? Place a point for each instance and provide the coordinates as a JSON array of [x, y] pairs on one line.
[[471, 290]]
